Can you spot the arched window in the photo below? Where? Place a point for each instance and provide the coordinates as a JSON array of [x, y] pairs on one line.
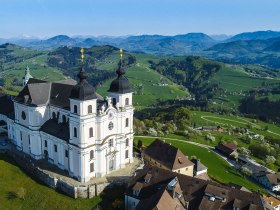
[[127, 101], [75, 109], [91, 154], [90, 132], [64, 119], [89, 109], [75, 132], [126, 122], [114, 101], [53, 115]]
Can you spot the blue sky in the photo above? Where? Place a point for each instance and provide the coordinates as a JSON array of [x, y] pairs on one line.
[[45, 18]]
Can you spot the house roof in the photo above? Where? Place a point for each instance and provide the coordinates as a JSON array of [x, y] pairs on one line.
[[274, 179], [227, 148], [194, 191], [198, 166], [59, 130], [39, 92], [271, 201], [6, 104], [167, 155], [161, 200], [257, 170]]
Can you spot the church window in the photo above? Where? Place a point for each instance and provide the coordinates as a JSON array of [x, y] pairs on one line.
[[28, 139], [126, 154], [90, 109], [75, 109], [21, 136], [53, 115], [111, 126], [126, 122], [91, 154], [66, 153], [90, 132], [55, 148], [127, 101], [111, 143], [64, 119], [91, 167], [127, 142], [75, 132], [46, 143], [114, 101], [23, 115]]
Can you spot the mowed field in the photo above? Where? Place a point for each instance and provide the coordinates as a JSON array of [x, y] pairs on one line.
[[207, 118], [218, 169]]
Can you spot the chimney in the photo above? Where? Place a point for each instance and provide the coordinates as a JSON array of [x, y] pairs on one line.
[[187, 204]]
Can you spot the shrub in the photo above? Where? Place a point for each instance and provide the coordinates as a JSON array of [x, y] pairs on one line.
[[21, 193]]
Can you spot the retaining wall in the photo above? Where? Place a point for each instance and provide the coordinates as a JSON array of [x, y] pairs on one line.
[[81, 191]]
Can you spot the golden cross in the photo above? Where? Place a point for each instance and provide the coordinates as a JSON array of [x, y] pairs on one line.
[[82, 54], [121, 53]]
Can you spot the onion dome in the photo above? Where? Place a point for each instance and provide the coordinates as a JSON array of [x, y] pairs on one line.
[[121, 83], [83, 90]]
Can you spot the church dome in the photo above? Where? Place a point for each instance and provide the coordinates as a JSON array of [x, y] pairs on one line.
[[83, 90], [121, 84]]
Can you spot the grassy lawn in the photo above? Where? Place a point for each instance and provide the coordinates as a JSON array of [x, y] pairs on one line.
[[39, 196], [218, 168]]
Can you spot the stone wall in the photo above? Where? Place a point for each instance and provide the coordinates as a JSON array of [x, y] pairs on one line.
[[81, 191]]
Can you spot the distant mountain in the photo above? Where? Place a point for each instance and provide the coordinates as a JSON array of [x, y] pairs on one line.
[[154, 44], [263, 52], [220, 37], [168, 45], [261, 35]]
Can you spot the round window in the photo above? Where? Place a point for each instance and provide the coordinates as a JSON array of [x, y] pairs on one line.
[[23, 115], [110, 126]]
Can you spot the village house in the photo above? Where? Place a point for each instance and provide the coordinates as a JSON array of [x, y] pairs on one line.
[[166, 156], [160, 189], [212, 128], [200, 170], [228, 149], [271, 203], [271, 181]]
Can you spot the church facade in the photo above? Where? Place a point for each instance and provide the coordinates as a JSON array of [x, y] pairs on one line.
[[73, 127]]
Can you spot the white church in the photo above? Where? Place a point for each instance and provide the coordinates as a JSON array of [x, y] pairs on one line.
[[72, 126]]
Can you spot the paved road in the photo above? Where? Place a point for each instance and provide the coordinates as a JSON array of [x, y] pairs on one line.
[[230, 162]]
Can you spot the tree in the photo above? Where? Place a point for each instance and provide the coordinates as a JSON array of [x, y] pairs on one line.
[[21, 193], [269, 159], [139, 144], [245, 171]]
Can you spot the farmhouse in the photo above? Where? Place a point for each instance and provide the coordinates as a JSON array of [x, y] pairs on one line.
[[71, 126], [212, 128], [228, 149], [155, 188], [166, 156]]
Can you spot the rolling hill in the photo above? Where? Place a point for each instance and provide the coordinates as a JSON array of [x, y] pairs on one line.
[[262, 52], [100, 64], [257, 35]]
